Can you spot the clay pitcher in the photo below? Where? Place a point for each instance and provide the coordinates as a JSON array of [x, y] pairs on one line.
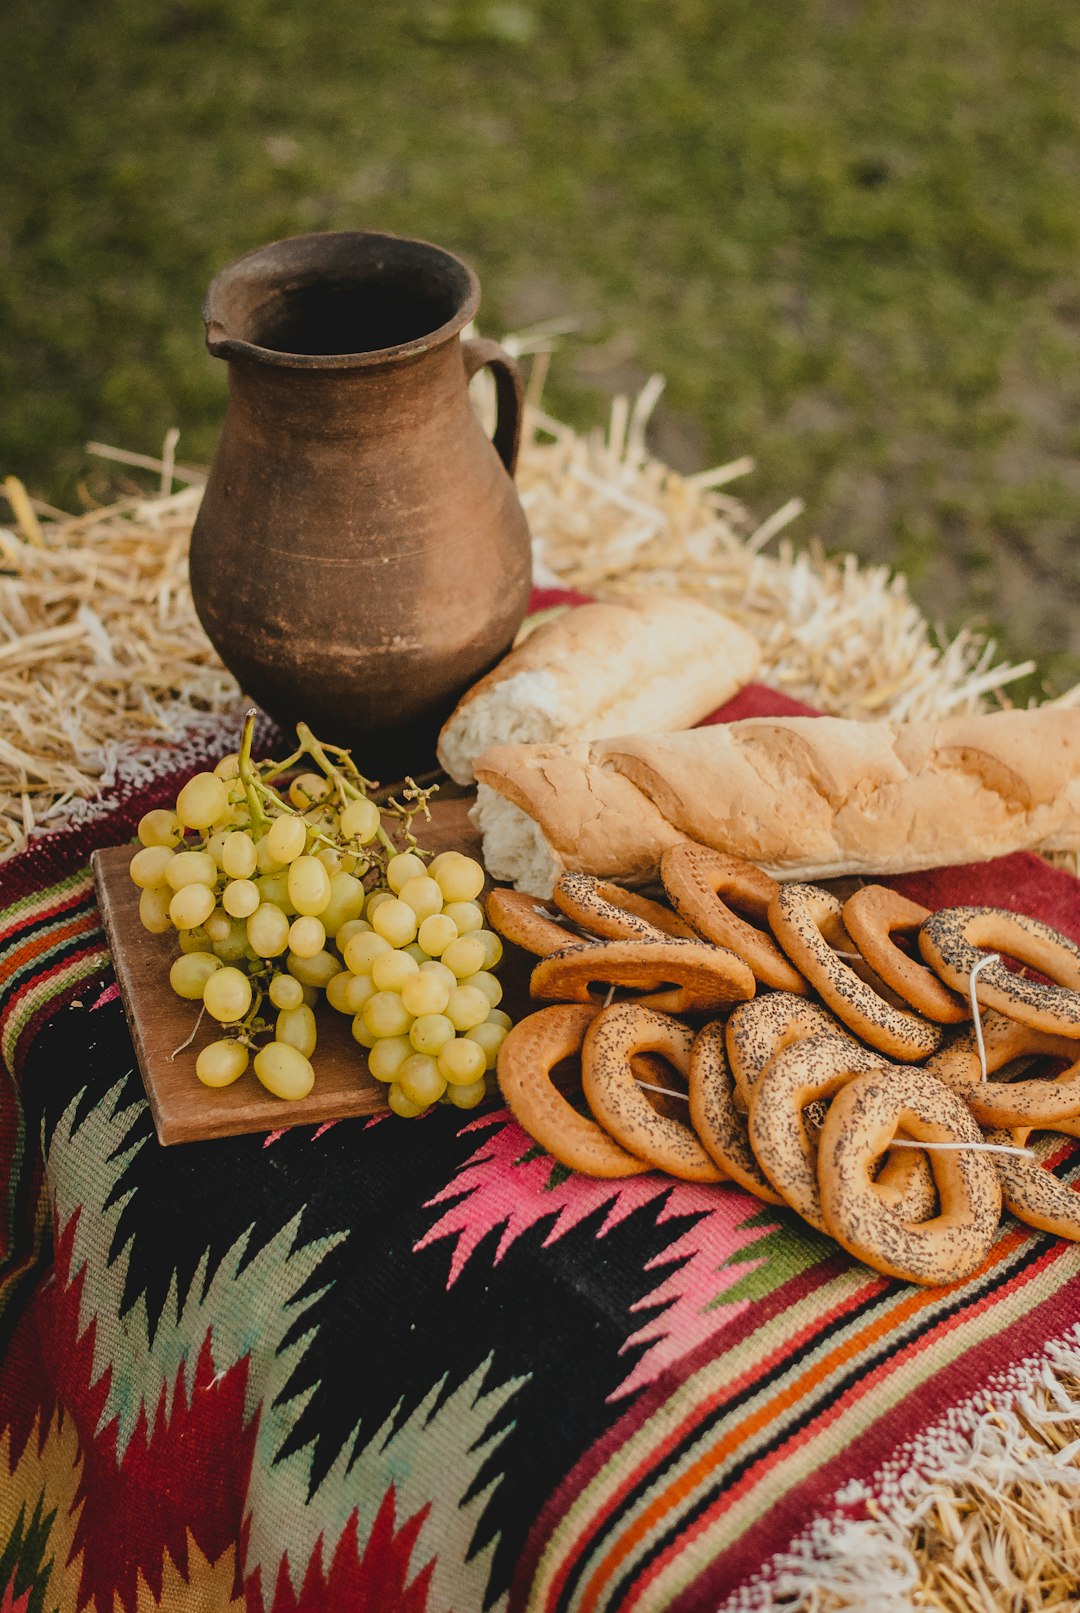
[[360, 557]]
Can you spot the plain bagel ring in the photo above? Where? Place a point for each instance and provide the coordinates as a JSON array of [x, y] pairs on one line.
[[527, 922], [1048, 1101], [764, 1026], [862, 1121], [526, 1059], [871, 916], [817, 1067], [801, 916], [719, 1123], [1032, 1192], [606, 909], [698, 978], [696, 879], [612, 1092], [954, 942]]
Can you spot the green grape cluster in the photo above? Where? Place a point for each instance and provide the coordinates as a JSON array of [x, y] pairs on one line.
[[285, 886]]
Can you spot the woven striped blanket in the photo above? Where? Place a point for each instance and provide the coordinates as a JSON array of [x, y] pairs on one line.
[[388, 1366]]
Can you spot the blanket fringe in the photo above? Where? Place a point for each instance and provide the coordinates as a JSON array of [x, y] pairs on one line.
[[979, 1515]]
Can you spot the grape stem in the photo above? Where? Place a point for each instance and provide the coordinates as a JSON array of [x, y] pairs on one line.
[[249, 777]]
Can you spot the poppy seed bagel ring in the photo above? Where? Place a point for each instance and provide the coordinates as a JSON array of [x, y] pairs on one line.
[[863, 1119], [622, 1108], [525, 921], [871, 916], [697, 878], [1032, 1102], [716, 1119], [957, 939], [763, 1027], [816, 1067], [697, 978], [801, 916], [607, 910], [526, 1059], [1032, 1192]]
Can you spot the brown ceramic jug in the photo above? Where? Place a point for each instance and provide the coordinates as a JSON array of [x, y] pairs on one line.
[[360, 556]]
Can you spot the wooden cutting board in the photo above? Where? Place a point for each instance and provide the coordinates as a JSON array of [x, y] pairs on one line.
[[160, 1021]]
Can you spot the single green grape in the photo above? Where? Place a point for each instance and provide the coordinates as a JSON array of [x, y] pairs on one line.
[[221, 1063], [428, 1033], [190, 972], [467, 1097], [227, 995], [486, 982], [239, 858], [489, 1038], [306, 936], [296, 1026], [395, 921], [202, 801], [240, 898], [361, 951], [190, 868], [316, 971], [464, 956], [390, 970], [467, 1007], [360, 820], [423, 896], [424, 993], [388, 1055], [268, 930], [493, 947], [309, 886], [191, 906], [468, 916], [149, 867], [385, 1014], [400, 869], [284, 1071], [460, 878], [401, 1105], [154, 909], [159, 828], [218, 926], [308, 789], [228, 767], [419, 1079], [436, 934], [462, 1061], [285, 991], [286, 838]]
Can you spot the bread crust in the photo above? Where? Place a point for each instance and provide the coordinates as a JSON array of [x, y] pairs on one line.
[[634, 665], [805, 798]]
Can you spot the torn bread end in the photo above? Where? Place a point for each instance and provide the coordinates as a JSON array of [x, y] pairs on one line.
[[523, 708], [515, 847]]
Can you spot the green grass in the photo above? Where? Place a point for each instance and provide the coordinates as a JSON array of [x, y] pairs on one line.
[[847, 233]]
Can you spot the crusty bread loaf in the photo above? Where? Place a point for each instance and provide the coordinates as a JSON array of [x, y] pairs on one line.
[[802, 797], [627, 666]]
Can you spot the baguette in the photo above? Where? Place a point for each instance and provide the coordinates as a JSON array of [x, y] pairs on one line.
[[802, 797], [636, 665]]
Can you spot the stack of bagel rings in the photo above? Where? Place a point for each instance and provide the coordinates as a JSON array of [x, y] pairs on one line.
[[805, 1049]]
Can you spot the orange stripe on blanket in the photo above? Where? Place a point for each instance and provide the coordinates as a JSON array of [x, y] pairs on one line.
[[682, 1487]]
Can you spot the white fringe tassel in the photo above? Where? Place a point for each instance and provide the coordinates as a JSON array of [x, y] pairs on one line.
[[980, 1513]]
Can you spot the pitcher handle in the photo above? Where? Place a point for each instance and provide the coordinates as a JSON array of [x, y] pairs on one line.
[[479, 352]]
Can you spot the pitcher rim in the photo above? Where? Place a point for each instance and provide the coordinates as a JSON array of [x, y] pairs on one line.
[[226, 346]]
